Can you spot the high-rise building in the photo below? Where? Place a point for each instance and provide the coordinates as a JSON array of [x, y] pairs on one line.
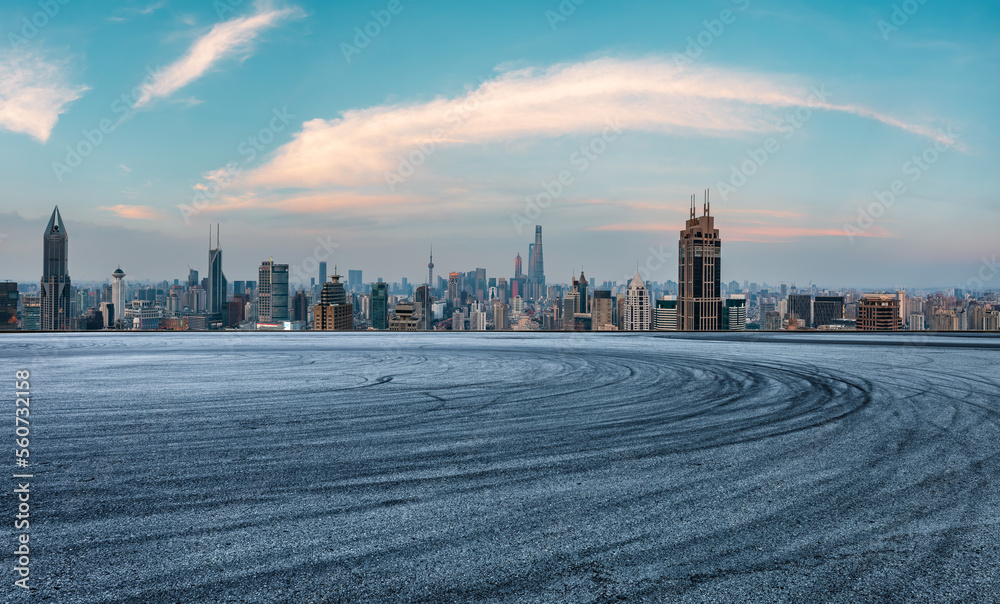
[[118, 298], [580, 288], [480, 284], [8, 305], [300, 306], [272, 292], [500, 319], [734, 313], [380, 305], [423, 300], [354, 280], [334, 312], [192, 277], [800, 307], [536, 268], [827, 309], [879, 312], [453, 295], [602, 312], [517, 267], [699, 301], [56, 297], [665, 314], [636, 306], [218, 288], [322, 273], [569, 306]]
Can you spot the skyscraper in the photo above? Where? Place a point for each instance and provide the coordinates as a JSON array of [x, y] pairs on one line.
[[665, 314], [118, 297], [322, 273], [603, 310], [217, 285], [55, 285], [354, 280], [826, 309], [453, 287], [333, 313], [537, 267], [636, 306], [699, 300], [517, 267], [272, 292], [735, 313], [800, 305], [380, 305], [422, 299], [8, 305], [879, 312]]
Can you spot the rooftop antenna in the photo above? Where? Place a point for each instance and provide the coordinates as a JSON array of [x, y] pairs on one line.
[[217, 244], [706, 202], [692, 206]]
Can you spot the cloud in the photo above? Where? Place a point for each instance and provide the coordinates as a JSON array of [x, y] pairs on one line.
[[124, 13], [222, 41], [736, 232], [652, 95], [135, 212], [34, 92]]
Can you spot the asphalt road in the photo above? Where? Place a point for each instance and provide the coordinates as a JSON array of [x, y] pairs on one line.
[[508, 467]]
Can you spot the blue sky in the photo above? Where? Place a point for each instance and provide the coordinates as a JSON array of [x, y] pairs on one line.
[[451, 124]]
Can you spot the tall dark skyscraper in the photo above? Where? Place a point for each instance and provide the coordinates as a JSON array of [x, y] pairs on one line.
[[826, 309], [322, 273], [517, 266], [699, 303], [800, 305], [8, 305], [55, 286], [380, 305], [217, 284], [536, 268]]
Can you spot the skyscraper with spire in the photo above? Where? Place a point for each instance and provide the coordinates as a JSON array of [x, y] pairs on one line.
[[699, 282], [55, 286], [217, 284]]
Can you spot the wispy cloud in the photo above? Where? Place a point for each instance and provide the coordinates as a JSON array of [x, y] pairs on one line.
[[222, 41], [135, 212], [651, 95], [124, 13], [737, 232], [34, 92]]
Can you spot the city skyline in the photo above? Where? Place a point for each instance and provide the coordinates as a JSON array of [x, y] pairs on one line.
[[828, 135]]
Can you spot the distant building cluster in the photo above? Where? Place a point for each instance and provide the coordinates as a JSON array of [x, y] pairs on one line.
[[471, 301]]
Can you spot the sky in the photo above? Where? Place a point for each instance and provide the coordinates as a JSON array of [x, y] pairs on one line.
[[849, 144]]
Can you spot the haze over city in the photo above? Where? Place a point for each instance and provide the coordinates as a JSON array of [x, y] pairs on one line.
[[845, 145]]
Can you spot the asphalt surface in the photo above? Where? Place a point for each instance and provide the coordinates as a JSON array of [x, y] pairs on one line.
[[508, 467]]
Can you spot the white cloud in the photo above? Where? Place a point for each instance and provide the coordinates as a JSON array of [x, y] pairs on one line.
[[652, 95], [34, 92], [223, 40]]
